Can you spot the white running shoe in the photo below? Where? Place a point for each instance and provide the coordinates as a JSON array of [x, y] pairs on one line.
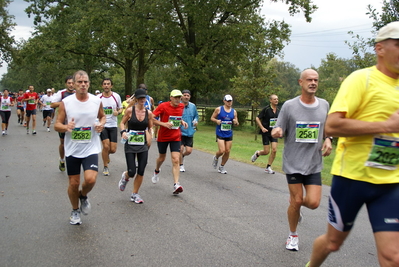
[[215, 162], [155, 177], [48, 129], [177, 189], [136, 198], [85, 206], [269, 170], [182, 169], [122, 182], [222, 170], [292, 243], [255, 156], [75, 218]]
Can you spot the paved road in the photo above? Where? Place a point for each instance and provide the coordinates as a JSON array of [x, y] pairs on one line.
[[238, 219]]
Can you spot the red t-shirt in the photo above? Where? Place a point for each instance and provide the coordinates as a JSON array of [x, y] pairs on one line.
[[19, 101], [29, 104], [164, 111]]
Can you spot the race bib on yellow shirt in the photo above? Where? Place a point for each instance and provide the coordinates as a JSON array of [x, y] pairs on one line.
[[384, 153], [307, 132]]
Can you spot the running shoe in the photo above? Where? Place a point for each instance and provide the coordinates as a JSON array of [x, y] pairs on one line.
[[85, 206], [300, 215], [62, 166], [123, 182], [33, 132], [155, 177], [182, 169], [105, 171], [48, 129], [222, 170], [269, 170], [136, 198], [44, 123], [4, 133], [177, 189], [27, 130], [25, 124], [75, 218], [215, 162], [19, 120], [292, 243], [307, 264], [255, 156]]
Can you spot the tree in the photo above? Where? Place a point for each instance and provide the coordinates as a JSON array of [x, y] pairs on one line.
[[6, 40]]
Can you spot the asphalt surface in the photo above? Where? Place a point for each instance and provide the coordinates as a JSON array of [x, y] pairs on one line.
[[234, 219]]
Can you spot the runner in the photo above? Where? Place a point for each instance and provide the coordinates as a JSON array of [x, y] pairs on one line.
[[77, 119], [190, 115], [301, 121], [225, 117], [112, 108], [139, 120], [20, 107], [5, 110], [31, 98], [170, 118], [266, 120], [46, 101], [364, 115], [57, 98]]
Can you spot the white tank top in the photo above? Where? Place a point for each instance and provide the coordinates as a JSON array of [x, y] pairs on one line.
[[83, 141]]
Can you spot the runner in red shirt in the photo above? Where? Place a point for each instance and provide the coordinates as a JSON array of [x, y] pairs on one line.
[[170, 117], [20, 106], [31, 98]]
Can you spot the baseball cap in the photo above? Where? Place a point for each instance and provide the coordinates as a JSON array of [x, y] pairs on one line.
[[389, 31], [186, 92], [27, 91], [97, 91], [228, 98], [48, 90], [175, 93], [140, 93], [127, 96]]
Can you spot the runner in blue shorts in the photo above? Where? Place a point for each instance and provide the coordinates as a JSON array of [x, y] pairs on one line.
[[366, 166]]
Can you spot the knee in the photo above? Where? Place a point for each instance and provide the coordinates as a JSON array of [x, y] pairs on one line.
[[388, 255], [90, 180], [131, 172], [112, 150], [274, 150], [105, 146], [313, 204]]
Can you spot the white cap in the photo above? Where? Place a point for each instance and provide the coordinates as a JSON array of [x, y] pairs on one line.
[[48, 90], [228, 98], [389, 31], [97, 91], [27, 91]]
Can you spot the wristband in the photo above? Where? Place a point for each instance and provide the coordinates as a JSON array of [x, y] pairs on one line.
[[329, 137], [123, 131]]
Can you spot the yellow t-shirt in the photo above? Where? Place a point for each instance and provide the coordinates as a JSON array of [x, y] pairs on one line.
[[124, 107], [366, 95]]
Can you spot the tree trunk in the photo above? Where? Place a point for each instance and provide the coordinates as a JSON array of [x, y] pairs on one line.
[[128, 76]]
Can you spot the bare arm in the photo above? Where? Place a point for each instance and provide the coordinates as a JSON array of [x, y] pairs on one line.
[[215, 115], [339, 126], [263, 129]]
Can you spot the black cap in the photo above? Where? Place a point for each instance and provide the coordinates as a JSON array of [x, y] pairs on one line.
[[140, 93]]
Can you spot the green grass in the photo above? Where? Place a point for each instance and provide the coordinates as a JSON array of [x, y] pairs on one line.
[[244, 146]]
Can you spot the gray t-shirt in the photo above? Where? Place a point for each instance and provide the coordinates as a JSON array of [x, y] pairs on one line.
[[303, 130]]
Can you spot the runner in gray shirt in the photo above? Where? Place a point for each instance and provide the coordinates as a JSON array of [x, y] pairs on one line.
[[301, 121]]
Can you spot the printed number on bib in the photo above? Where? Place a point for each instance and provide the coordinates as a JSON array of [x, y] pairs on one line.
[[81, 135], [273, 123], [384, 153], [31, 101], [108, 110], [226, 125], [176, 121], [307, 132], [136, 138]]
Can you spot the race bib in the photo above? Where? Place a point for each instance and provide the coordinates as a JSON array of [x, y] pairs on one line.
[[108, 110], [307, 132], [19, 103], [136, 138], [226, 125], [31, 101], [4, 106], [48, 103], [273, 123], [81, 135], [176, 121], [384, 153]]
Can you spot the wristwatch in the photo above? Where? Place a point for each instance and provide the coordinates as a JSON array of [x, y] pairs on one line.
[[329, 137]]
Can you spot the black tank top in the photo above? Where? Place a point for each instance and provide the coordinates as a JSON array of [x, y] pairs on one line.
[[136, 125]]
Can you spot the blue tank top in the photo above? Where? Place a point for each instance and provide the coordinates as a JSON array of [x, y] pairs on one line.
[[147, 103], [225, 129]]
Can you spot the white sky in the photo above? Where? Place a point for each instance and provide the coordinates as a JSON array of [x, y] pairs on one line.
[[310, 42]]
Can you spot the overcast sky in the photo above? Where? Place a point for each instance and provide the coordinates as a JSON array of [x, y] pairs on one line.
[[310, 42]]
